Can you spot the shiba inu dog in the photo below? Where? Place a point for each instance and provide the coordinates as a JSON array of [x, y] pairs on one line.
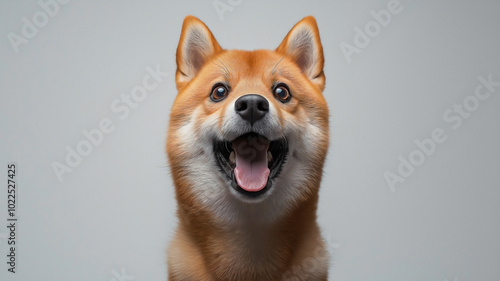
[[247, 141]]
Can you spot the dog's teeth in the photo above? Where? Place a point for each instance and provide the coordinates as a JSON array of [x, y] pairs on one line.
[[269, 156], [232, 157]]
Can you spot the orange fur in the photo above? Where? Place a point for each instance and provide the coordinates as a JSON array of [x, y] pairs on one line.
[[205, 247]]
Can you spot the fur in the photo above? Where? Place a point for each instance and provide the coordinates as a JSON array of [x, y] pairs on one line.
[[222, 234]]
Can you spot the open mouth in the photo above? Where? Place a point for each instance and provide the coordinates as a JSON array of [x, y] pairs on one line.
[[251, 161]]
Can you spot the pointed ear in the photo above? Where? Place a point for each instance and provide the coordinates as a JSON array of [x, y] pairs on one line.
[[303, 45], [196, 46]]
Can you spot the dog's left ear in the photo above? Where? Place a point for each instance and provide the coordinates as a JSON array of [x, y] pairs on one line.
[[303, 45]]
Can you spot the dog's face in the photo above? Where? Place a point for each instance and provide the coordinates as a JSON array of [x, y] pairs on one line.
[[248, 129]]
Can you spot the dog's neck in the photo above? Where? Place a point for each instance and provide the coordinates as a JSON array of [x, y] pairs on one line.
[[249, 246]]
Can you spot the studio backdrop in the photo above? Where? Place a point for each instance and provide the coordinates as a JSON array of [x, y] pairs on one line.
[[411, 186]]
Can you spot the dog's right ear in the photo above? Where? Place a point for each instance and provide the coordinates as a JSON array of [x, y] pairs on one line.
[[196, 46]]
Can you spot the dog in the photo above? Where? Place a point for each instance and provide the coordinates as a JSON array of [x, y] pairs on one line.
[[247, 140]]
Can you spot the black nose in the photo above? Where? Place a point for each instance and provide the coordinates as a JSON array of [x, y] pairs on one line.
[[252, 107]]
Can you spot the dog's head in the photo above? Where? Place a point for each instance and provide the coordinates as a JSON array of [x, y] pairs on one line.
[[248, 127]]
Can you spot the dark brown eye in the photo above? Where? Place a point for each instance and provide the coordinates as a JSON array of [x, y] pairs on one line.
[[219, 92], [282, 93]]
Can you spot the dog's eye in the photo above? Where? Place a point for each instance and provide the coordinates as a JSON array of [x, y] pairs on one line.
[[282, 93], [219, 92]]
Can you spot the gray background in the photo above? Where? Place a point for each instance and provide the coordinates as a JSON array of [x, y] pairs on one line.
[[115, 211]]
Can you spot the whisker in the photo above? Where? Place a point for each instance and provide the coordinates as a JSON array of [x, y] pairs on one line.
[[225, 67], [224, 70], [216, 120], [272, 72]]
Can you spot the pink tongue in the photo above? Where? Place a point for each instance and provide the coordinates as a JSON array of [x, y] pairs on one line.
[[251, 163]]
